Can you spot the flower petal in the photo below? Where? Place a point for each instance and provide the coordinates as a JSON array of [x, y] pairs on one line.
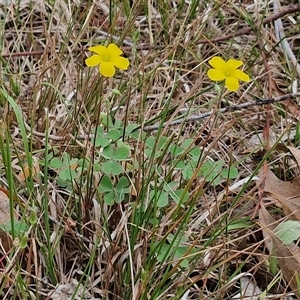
[[107, 69], [114, 50], [120, 62], [233, 64], [215, 75], [93, 61], [217, 63], [232, 83], [241, 75], [101, 50]]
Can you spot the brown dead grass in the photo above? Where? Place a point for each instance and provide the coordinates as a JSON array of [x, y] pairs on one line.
[[44, 48]]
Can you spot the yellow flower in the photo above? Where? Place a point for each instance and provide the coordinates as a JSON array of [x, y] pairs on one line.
[[107, 58], [227, 71]]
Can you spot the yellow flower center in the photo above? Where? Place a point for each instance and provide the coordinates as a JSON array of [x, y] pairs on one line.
[[106, 57], [228, 73]]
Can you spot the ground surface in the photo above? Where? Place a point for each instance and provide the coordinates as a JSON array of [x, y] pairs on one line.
[[157, 183]]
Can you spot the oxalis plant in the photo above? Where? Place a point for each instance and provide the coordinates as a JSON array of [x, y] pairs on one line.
[[169, 164], [114, 161]]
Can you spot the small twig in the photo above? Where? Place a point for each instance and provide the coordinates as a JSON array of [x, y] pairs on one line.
[[154, 127], [28, 53], [230, 108]]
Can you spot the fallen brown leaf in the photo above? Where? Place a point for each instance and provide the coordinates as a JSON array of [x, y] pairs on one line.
[[285, 194], [288, 257], [267, 224], [296, 153]]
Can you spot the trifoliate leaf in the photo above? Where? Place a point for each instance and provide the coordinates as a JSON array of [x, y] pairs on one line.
[[121, 153], [108, 152], [102, 141], [114, 134], [112, 167], [67, 174], [56, 163], [105, 184], [109, 198]]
